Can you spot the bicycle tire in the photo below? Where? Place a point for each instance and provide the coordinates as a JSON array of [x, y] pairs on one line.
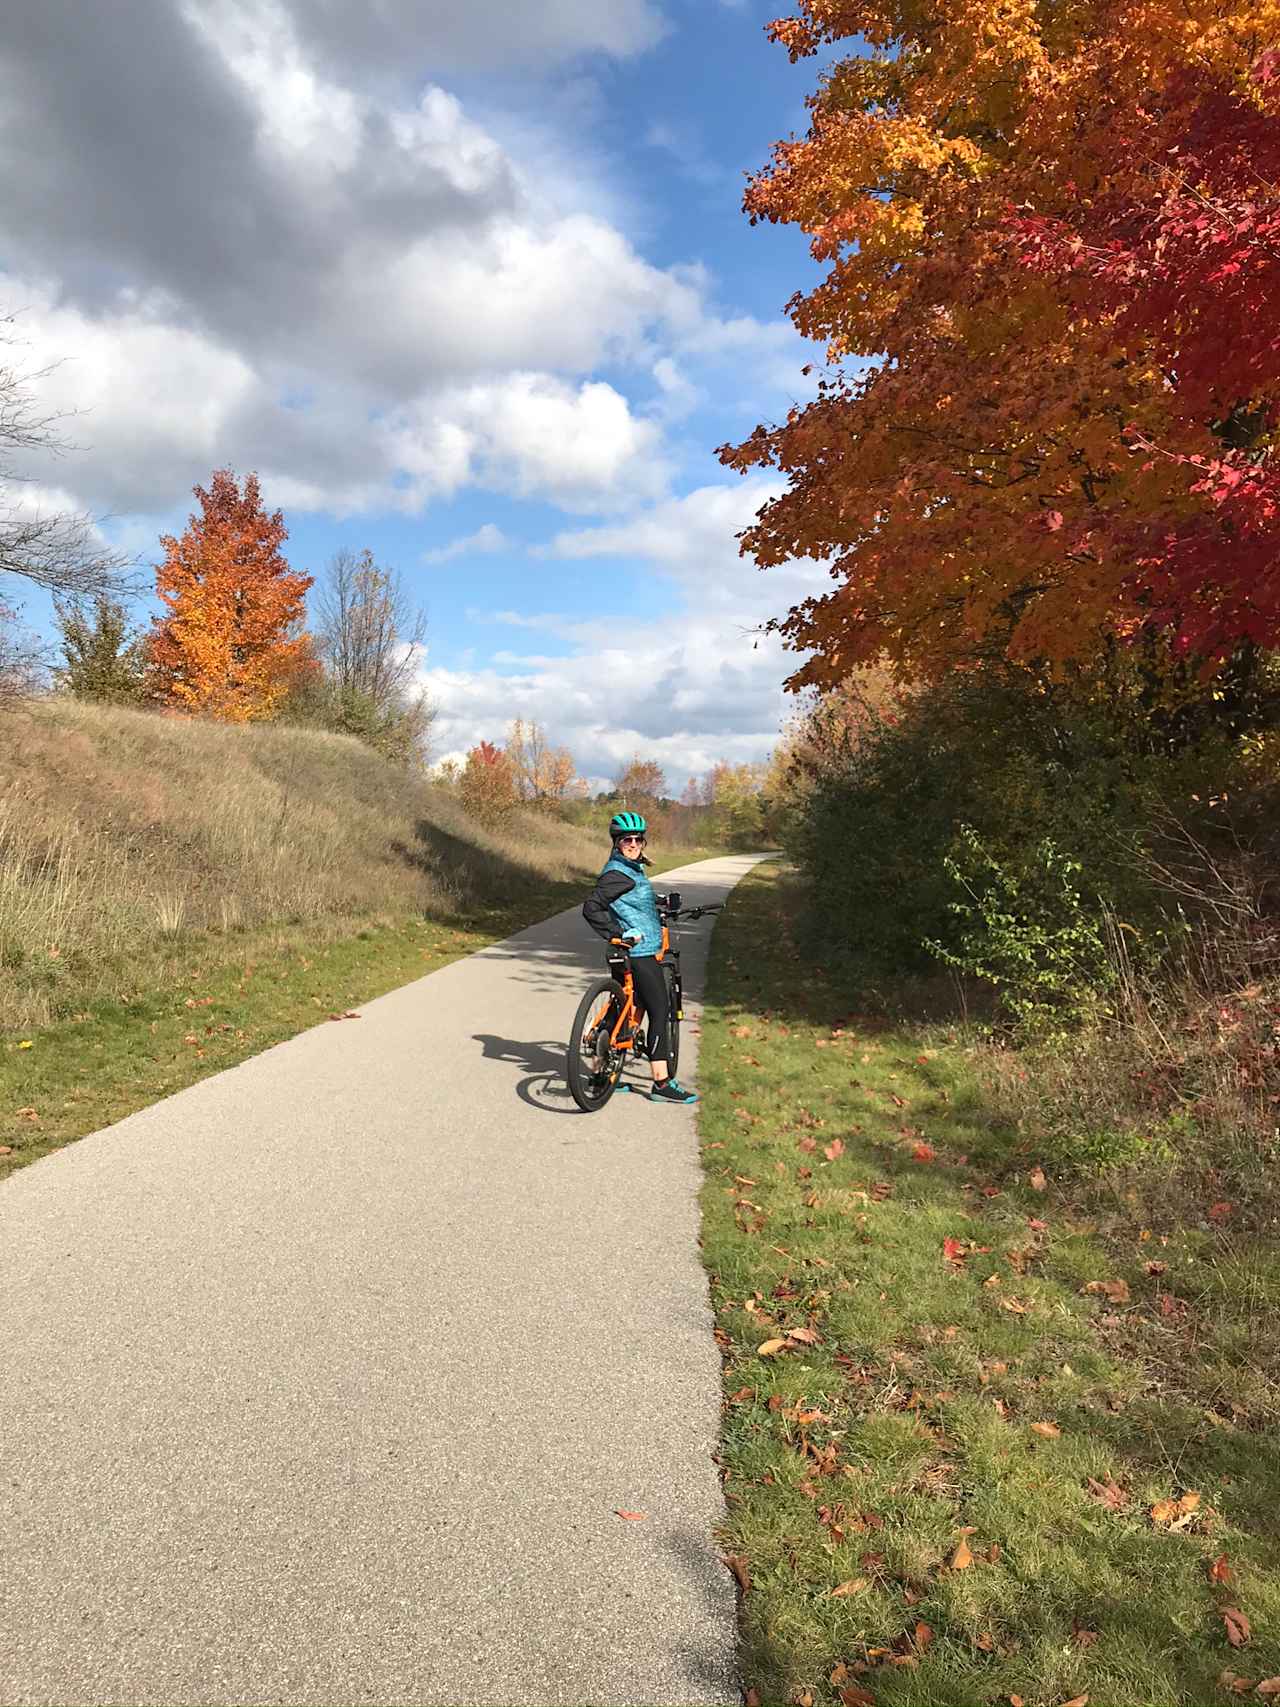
[[592, 1076], [673, 1027]]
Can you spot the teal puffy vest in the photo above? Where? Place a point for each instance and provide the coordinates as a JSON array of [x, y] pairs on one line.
[[637, 910]]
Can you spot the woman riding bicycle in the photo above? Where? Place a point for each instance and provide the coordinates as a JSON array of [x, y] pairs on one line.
[[623, 904]]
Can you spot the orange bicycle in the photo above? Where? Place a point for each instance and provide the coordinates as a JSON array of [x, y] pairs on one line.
[[608, 1021]]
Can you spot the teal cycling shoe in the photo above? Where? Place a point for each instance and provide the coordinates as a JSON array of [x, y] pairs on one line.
[[672, 1091]]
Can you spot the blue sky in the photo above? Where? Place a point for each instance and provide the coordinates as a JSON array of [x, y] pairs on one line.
[[472, 289]]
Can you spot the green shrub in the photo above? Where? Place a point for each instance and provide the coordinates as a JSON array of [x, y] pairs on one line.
[[1029, 931], [1040, 797]]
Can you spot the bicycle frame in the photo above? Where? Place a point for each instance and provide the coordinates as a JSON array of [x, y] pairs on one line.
[[628, 1018], [666, 956]]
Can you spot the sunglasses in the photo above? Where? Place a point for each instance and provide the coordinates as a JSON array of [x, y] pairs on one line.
[[640, 841]]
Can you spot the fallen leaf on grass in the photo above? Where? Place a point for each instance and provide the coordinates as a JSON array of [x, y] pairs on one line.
[[806, 1336], [1050, 1431], [854, 1585], [1016, 1701], [352, 1015], [924, 1153], [1219, 1212], [741, 1396], [1116, 1290], [1077, 1701], [752, 1698], [923, 1635], [1108, 1494], [802, 1698], [953, 1250], [6, 1149], [855, 1697], [1228, 1680], [26, 1044], [741, 1568], [632, 1516], [1238, 1631], [1175, 1513], [27, 1114], [740, 1031], [1015, 1305], [1036, 1179], [833, 1149], [1036, 1224], [962, 1558], [770, 1348], [1269, 1686], [1219, 1570], [1157, 1267]]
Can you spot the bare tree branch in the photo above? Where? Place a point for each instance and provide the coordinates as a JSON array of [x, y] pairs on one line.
[[371, 634], [52, 548]]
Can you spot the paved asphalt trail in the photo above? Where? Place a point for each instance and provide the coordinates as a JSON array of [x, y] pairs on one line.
[[323, 1380]]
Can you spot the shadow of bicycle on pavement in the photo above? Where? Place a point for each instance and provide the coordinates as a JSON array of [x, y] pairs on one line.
[[544, 1086]]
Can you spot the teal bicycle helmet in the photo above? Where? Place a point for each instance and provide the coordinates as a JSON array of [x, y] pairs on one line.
[[627, 824]]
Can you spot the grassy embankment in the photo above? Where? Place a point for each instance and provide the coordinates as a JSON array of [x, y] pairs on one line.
[[988, 1437], [176, 896]]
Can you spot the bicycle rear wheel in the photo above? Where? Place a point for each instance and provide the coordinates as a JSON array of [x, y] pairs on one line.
[[594, 1065]]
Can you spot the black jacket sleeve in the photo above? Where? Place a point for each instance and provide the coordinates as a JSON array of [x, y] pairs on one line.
[[595, 909]]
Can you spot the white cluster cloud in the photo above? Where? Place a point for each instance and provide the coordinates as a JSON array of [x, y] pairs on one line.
[[252, 247], [701, 685], [483, 542]]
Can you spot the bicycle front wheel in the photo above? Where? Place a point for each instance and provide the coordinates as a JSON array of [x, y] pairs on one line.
[[594, 1065], [673, 1027]]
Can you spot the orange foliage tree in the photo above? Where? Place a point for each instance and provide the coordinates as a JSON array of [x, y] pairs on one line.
[[229, 645], [641, 782], [488, 785], [543, 774], [977, 467]]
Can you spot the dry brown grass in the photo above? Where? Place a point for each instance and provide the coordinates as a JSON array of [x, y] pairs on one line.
[[122, 832]]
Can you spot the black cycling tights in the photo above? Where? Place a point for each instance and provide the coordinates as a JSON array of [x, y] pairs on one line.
[[651, 994]]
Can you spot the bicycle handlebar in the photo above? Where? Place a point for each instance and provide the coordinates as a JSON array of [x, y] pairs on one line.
[[673, 916]]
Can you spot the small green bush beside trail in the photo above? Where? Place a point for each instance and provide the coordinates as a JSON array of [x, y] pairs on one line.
[[990, 1433]]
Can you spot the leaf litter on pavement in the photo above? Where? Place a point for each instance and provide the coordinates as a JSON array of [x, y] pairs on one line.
[[955, 1403]]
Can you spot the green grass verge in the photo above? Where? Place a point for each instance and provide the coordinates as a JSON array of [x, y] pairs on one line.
[[980, 1444]]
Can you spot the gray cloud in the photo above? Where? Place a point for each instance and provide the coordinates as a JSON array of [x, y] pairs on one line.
[[388, 36], [148, 161]]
